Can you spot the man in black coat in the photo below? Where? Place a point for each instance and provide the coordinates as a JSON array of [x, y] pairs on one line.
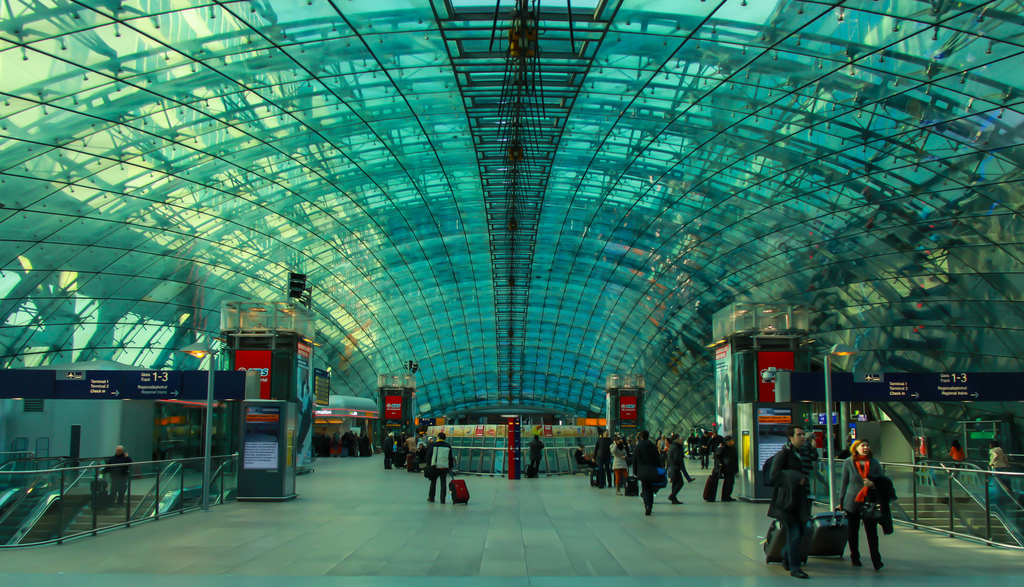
[[536, 452], [118, 469], [729, 461], [603, 456], [676, 466], [791, 502], [646, 469]]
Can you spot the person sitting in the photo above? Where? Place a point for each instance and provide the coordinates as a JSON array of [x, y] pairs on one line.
[[583, 460]]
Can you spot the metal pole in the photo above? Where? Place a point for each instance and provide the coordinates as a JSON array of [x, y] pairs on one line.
[[208, 435], [828, 431]]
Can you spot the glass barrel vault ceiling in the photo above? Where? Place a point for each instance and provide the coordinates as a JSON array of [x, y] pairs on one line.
[[861, 157]]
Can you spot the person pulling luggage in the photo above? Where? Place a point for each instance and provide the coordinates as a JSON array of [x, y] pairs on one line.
[[858, 492], [441, 460], [791, 503], [729, 465]]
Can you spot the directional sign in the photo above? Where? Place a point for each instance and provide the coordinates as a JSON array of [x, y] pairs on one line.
[[88, 384], [152, 385]]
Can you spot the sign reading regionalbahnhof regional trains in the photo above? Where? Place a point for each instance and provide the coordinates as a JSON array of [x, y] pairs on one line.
[[910, 387]]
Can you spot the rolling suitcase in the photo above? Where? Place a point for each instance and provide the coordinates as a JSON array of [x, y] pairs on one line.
[[711, 486], [827, 535], [531, 471], [632, 486], [775, 540], [459, 491], [411, 466]]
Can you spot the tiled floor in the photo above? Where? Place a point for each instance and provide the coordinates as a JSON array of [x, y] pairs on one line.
[[357, 524]]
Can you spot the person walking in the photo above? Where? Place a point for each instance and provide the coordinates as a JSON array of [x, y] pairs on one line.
[[536, 453], [998, 462], [857, 486], [676, 465], [118, 469], [704, 450], [441, 459], [956, 452], [619, 464], [790, 503], [603, 455], [646, 469]]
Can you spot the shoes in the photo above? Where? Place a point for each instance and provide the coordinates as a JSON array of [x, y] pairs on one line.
[[878, 565], [617, 492], [647, 512], [442, 502], [728, 499], [785, 563], [430, 499], [675, 502], [855, 561], [799, 574], [690, 480]]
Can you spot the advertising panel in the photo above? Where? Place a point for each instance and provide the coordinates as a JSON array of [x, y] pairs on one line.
[[256, 361], [392, 407], [304, 397], [723, 390], [627, 408], [262, 430]]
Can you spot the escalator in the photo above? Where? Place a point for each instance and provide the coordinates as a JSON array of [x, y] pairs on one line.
[[28, 498]]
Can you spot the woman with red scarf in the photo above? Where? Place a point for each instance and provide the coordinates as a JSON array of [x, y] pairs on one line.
[[859, 473]]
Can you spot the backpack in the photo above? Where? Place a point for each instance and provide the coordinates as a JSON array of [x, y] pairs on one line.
[[766, 471]]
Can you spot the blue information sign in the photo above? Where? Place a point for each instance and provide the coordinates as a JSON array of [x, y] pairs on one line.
[[152, 385], [88, 384]]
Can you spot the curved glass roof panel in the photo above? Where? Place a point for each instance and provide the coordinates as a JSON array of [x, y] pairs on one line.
[[524, 203]]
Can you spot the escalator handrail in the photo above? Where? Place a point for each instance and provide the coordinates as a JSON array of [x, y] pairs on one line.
[[169, 470], [993, 508], [44, 504]]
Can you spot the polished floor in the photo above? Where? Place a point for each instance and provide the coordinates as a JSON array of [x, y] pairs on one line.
[[357, 524]]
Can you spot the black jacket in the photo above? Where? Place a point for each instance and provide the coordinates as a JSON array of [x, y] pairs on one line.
[[646, 461], [119, 465], [676, 458], [603, 448], [791, 497], [729, 459], [886, 492], [536, 449]]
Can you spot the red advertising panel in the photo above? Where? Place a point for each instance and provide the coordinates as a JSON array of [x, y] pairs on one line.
[[480, 430], [392, 407], [548, 433], [256, 361], [627, 407], [779, 360]]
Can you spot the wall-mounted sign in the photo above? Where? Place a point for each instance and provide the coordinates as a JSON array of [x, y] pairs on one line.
[[393, 407], [258, 361], [322, 387], [627, 407]]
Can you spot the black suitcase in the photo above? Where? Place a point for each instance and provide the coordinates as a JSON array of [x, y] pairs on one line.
[[711, 486], [828, 534], [775, 540], [632, 486], [531, 471]]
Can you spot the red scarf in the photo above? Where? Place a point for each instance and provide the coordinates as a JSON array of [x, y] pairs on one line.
[[862, 464]]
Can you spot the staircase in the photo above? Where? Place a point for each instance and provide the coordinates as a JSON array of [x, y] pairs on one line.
[[968, 517]]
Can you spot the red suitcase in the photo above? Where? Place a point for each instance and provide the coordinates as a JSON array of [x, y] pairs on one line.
[[711, 486], [460, 493]]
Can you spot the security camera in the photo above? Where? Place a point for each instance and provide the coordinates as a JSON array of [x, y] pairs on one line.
[[768, 375]]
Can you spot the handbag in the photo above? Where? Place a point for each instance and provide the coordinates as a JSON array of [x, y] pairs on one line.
[[430, 472], [871, 511]]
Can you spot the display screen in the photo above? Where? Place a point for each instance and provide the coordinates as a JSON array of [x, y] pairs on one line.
[[262, 431], [627, 407], [393, 407]]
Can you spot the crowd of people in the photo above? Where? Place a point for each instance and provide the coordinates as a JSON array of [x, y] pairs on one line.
[[347, 444]]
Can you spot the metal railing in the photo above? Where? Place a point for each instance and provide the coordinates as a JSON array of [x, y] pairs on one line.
[[963, 500], [478, 460], [57, 504]]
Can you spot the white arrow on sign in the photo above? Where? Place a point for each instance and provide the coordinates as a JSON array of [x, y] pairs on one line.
[[175, 392], [915, 395], [975, 394], [116, 393]]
